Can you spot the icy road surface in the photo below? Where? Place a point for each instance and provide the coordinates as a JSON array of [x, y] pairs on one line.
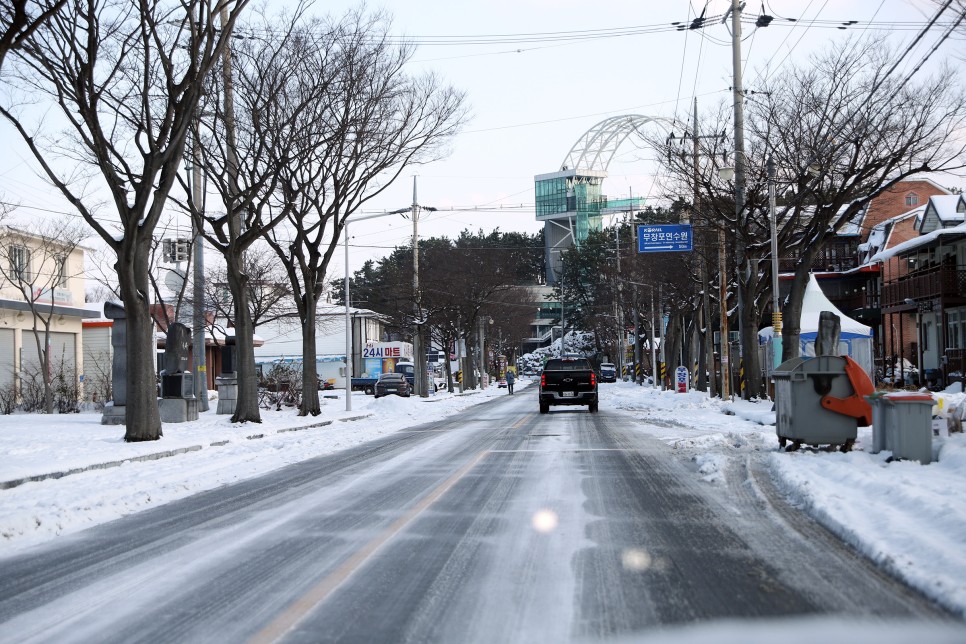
[[495, 525]]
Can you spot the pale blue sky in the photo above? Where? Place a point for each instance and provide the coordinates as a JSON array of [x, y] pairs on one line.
[[530, 106]]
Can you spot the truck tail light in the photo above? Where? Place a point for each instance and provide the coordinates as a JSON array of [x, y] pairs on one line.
[[593, 379], [543, 380]]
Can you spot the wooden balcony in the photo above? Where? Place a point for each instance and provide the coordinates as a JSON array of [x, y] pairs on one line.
[[943, 282]]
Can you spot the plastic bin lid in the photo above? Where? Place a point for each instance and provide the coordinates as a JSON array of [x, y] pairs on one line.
[[900, 396]]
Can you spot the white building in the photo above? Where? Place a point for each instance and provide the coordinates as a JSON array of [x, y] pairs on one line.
[[39, 280], [283, 340]]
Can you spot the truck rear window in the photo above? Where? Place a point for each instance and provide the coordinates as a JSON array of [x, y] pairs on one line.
[[568, 365]]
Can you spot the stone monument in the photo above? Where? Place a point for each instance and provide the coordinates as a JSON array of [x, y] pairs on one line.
[[115, 410], [178, 402], [227, 382]]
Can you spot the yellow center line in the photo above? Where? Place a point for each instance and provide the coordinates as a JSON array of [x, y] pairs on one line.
[[295, 613], [522, 421]]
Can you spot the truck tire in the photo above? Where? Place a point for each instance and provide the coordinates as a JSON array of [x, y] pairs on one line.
[[544, 408], [592, 408], [368, 390]]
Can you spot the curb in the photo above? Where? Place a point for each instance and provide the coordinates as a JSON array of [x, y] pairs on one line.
[[6, 485]]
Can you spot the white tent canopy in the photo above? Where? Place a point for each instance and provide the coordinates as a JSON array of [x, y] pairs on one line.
[[813, 304], [855, 339]]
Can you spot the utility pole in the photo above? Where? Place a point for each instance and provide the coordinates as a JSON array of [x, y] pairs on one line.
[[703, 276], [231, 154], [419, 359], [419, 375], [743, 266], [654, 366], [199, 349], [664, 356], [636, 313], [348, 324]]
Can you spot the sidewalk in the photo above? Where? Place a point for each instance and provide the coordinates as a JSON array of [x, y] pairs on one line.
[[38, 447]]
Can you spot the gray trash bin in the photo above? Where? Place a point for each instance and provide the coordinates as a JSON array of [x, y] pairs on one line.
[[800, 386], [880, 422], [909, 426]]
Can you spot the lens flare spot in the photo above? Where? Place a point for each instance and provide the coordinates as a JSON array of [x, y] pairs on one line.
[[545, 521], [635, 559]]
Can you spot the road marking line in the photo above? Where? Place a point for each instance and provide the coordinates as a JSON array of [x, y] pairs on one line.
[[576, 449], [295, 613], [523, 420]]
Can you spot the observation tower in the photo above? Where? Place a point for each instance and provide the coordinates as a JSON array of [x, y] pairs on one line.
[[570, 201]]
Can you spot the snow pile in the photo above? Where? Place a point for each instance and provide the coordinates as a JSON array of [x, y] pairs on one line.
[[195, 456], [907, 517]]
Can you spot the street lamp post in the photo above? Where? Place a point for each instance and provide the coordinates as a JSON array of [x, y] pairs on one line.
[[563, 319], [776, 313], [348, 325]]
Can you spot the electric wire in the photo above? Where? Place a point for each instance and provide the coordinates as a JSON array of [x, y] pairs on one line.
[[684, 57]]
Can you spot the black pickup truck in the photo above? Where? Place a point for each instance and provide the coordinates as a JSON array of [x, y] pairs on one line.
[[568, 381]]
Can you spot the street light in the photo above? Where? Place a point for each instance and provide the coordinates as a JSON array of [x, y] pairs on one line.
[[563, 319], [776, 314], [348, 321]]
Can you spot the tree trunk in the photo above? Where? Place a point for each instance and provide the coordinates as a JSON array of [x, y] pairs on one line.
[[310, 377], [792, 313], [142, 416], [246, 406], [43, 352], [749, 335], [447, 365]]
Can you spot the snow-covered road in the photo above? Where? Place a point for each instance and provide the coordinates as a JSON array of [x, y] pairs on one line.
[[904, 516]]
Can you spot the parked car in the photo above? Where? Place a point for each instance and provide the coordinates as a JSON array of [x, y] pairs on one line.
[[608, 372], [392, 383]]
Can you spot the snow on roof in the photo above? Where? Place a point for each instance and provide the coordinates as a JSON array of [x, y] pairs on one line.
[[854, 225], [881, 232], [812, 306], [918, 242], [96, 307], [948, 207]]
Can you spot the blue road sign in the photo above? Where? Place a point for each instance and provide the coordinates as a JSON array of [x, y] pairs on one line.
[[664, 238]]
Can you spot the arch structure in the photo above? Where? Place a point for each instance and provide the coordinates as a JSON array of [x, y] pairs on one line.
[[595, 149], [570, 201]]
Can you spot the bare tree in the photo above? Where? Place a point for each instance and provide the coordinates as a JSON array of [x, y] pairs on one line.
[[21, 18], [840, 130], [38, 264], [371, 122], [126, 78], [843, 132], [269, 292], [253, 126]]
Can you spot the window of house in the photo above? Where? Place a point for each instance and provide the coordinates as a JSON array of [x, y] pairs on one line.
[[953, 329], [20, 263], [912, 199]]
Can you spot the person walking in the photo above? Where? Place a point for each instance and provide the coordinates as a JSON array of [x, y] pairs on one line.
[[510, 379]]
